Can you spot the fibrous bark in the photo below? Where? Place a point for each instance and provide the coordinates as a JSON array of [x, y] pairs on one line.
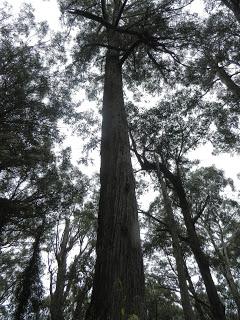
[[118, 286]]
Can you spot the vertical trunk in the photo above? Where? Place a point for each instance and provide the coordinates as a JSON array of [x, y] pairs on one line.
[[78, 313], [57, 299], [216, 305], [232, 286], [177, 252], [118, 286], [226, 270], [29, 278], [198, 303]]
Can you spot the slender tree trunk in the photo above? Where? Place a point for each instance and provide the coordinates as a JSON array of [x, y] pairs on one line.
[[57, 299], [232, 285], [177, 252], [78, 313], [226, 270], [217, 308], [198, 303], [216, 305], [118, 286], [30, 277]]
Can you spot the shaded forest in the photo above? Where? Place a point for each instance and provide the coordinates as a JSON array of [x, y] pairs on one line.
[[164, 80]]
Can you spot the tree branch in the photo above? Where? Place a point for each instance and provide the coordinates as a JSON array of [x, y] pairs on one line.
[[159, 67], [104, 10], [154, 218], [120, 12], [200, 212], [129, 51]]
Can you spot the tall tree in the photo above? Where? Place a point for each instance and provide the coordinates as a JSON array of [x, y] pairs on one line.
[[170, 144], [30, 109], [124, 29], [177, 250]]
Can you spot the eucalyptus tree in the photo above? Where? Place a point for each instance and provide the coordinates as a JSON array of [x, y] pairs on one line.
[[173, 270], [57, 198], [170, 135], [72, 236], [222, 223], [161, 302], [30, 109], [123, 32], [177, 251]]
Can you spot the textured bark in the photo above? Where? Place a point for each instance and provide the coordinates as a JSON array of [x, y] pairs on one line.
[[118, 286], [177, 252]]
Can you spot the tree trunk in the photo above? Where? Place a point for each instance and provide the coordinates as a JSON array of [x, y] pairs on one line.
[[199, 304], [177, 252], [227, 80], [232, 285], [78, 313], [57, 299], [216, 305], [118, 287], [30, 277], [226, 270], [217, 308]]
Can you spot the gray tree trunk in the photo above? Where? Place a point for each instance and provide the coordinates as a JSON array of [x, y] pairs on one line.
[[177, 252], [217, 308], [118, 286], [226, 270]]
